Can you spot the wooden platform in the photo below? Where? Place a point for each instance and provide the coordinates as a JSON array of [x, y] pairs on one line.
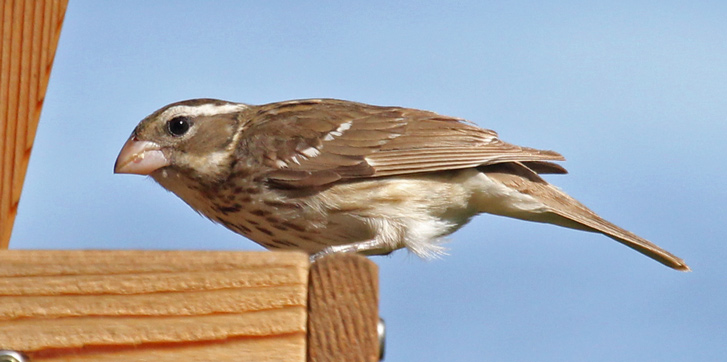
[[187, 305]]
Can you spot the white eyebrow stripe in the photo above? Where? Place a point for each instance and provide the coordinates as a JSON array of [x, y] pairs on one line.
[[203, 110]]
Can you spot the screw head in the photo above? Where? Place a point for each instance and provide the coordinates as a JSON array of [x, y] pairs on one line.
[[12, 356]]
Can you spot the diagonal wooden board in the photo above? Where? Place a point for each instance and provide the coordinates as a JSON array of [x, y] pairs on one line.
[[29, 32]]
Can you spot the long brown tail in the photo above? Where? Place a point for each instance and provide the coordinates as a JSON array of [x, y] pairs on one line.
[[594, 223], [563, 210]]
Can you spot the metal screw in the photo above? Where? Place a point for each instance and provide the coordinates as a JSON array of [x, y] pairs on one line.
[[381, 330], [7, 355]]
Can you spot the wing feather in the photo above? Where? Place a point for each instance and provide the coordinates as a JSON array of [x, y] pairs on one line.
[[317, 142]]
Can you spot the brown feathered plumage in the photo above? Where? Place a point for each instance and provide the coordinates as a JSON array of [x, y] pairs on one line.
[[327, 175]]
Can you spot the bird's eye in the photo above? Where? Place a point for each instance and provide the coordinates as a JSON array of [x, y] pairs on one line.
[[178, 126]]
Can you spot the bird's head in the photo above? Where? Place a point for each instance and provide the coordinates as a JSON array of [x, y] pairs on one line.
[[194, 137]]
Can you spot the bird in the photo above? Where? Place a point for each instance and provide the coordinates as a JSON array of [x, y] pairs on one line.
[[328, 176]]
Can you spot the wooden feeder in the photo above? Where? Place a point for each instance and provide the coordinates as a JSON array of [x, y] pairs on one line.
[[156, 305]]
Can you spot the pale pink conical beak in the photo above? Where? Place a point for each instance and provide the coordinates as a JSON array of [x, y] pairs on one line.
[[140, 157]]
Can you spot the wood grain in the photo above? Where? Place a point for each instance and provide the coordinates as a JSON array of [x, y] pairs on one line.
[[343, 309], [154, 305], [29, 32]]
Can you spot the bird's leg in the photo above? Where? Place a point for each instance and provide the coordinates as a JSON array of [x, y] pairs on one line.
[[368, 247]]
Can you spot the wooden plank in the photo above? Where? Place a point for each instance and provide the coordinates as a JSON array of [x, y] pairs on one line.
[[29, 34], [154, 305], [343, 310]]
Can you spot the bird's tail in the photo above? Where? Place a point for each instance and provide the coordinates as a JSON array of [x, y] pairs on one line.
[[549, 204]]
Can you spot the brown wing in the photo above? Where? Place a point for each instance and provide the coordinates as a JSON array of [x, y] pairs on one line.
[[315, 142]]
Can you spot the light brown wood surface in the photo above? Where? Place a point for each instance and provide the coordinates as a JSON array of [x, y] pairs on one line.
[[29, 32], [154, 305], [343, 310]]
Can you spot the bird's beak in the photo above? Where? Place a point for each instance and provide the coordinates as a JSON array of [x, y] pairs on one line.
[[140, 157]]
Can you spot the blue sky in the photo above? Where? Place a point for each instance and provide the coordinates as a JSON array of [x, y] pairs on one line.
[[632, 93]]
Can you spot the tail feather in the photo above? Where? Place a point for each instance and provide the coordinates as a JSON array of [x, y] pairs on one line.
[[597, 224], [560, 209]]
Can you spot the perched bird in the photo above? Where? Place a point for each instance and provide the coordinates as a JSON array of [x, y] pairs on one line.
[[326, 175]]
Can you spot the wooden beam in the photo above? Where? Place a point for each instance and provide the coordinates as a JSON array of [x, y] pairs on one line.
[[187, 305], [343, 310], [154, 305], [29, 32]]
